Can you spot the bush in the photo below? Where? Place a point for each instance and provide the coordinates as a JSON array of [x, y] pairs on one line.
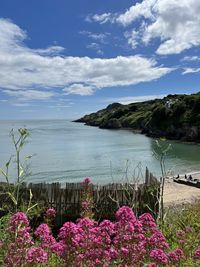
[[129, 241]]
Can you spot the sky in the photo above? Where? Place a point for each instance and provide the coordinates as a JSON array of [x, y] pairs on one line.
[[62, 59]]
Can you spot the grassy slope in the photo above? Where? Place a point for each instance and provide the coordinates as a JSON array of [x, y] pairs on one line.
[[174, 117]]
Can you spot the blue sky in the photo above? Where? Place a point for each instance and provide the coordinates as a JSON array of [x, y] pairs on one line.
[[63, 59]]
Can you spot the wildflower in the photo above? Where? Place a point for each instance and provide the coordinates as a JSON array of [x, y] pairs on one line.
[[173, 257], [18, 220], [157, 240], [124, 251], [113, 253], [180, 234], [50, 213], [36, 255], [87, 181], [85, 205], [180, 253], [42, 230], [197, 254], [152, 264], [125, 214], [58, 248], [176, 256], [107, 226], [159, 256], [68, 230], [85, 223], [147, 221]]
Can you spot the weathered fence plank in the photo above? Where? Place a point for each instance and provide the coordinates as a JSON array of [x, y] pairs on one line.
[[107, 198]]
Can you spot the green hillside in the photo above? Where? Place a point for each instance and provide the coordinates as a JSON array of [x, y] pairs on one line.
[[174, 117]]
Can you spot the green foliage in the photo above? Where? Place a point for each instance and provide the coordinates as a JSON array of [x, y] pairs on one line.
[[171, 117], [3, 234], [183, 219], [12, 195]]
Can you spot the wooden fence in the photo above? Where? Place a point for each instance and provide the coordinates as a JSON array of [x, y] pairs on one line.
[[108, 198]]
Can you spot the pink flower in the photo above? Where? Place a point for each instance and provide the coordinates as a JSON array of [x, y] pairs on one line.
[[124, 251], [85, 205], [36, 255], [58, 248], [180, 234], [18, 219], [113, 253], [159, 256], [68, 230], [158, 240], [125, 214], [42, 230], [87, 180], [147, 221], [173, 257], [50, 213], [179, 253], [107, 226], [152, 264], [197, 254]]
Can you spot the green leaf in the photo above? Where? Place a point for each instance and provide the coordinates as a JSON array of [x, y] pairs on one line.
[[3, 173], [30, 208], [28, 157], [12, 198]]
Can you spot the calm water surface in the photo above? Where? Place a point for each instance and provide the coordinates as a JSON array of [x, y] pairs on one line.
[[65, 151]]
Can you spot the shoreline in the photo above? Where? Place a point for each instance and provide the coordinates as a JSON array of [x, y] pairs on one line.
[[139, 131], [175, 193]]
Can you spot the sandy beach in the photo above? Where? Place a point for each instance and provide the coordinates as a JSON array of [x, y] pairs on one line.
[[175, 193]]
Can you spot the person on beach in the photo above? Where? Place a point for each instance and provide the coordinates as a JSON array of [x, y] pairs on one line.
[[190, 177], [186, 176], [177, 177]]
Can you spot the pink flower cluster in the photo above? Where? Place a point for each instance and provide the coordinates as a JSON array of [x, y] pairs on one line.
[[21, 249], [128, 242], [197, 254], [50, 213], [87, 199]]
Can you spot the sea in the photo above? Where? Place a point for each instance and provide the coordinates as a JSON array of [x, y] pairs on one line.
[[64, 151]]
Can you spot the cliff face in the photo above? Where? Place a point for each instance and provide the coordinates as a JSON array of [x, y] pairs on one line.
[[174, 117]]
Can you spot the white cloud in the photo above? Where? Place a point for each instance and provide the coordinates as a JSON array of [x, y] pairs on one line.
[[175, 22], [190, 70], [18, 104], [143, 9], [79, 89], [23, 69], [101, 18], [191, 58], [60, 106], [101, 37], [134, 99], [95, 47], [132, 38], [51, 50], [29, 94]]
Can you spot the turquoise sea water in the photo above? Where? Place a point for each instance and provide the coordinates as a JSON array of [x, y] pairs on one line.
[[65, 151]]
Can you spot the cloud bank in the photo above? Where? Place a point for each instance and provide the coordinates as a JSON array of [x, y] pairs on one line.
[[24, 71], [175, 22]]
